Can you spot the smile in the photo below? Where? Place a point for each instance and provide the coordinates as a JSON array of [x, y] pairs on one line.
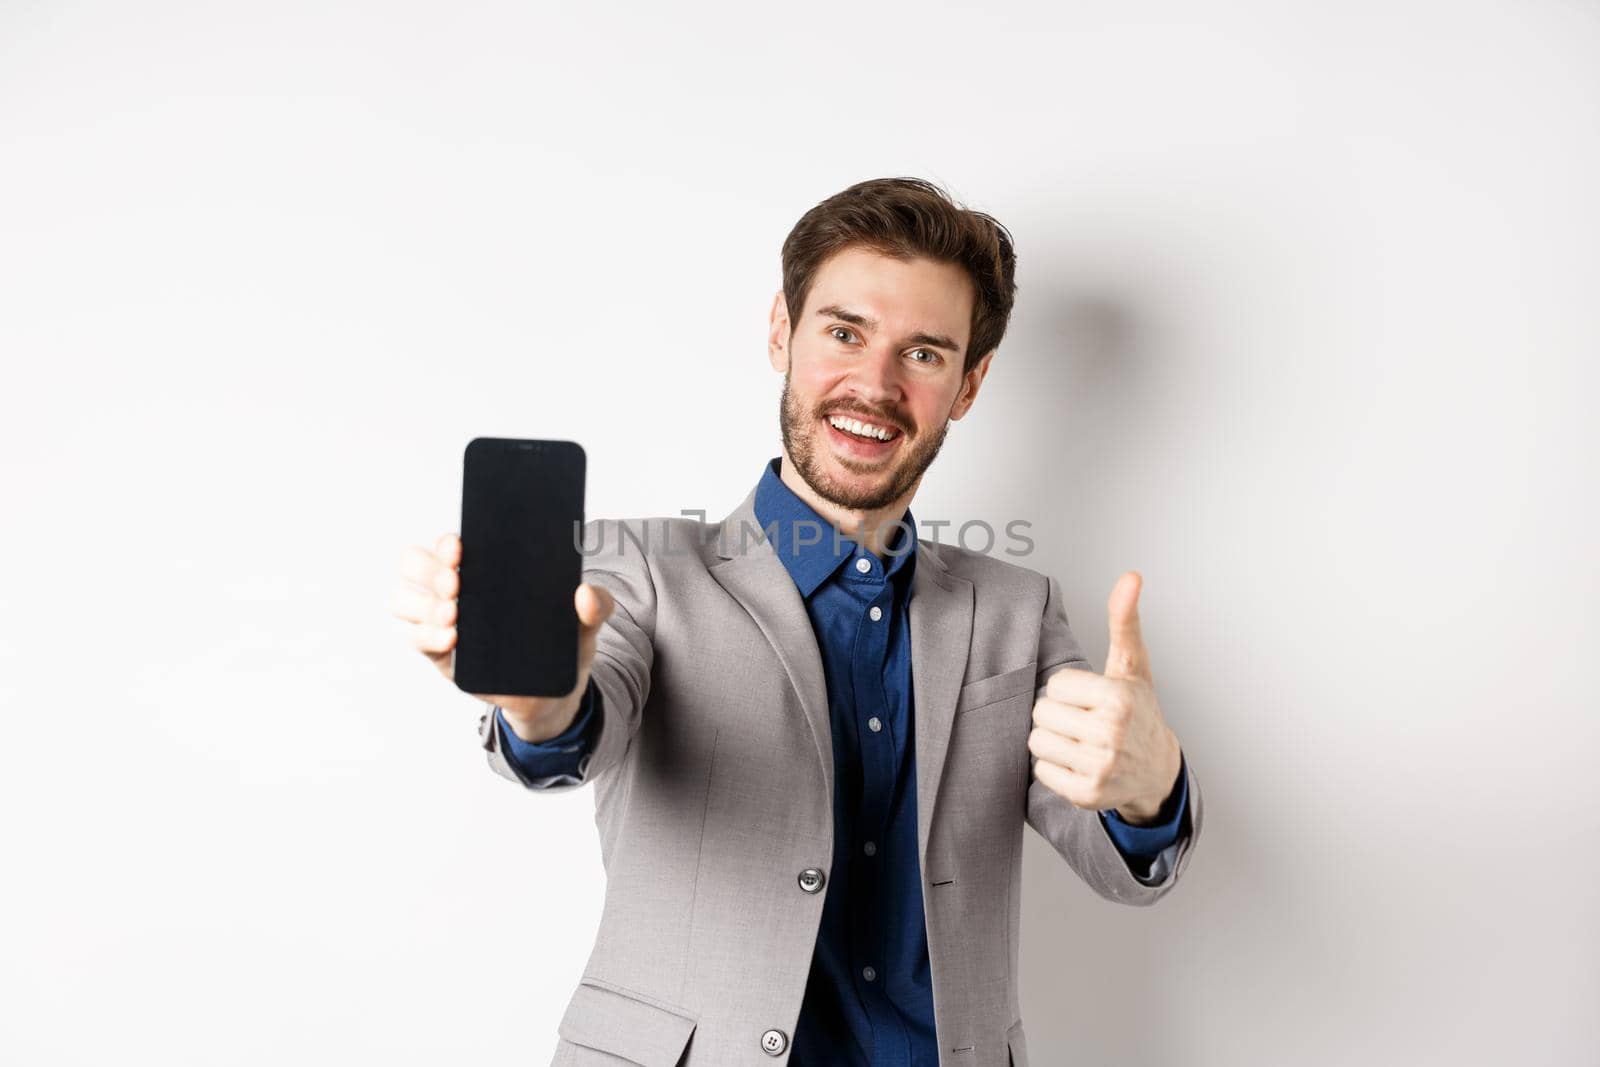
[[869, 431]]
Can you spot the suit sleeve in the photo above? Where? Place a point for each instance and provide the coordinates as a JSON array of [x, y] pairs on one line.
[[1150, 849], [624, 654], [1082, 837], [559, 760]]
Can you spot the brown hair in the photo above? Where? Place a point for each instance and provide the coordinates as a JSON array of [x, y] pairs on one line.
[[906, 218]]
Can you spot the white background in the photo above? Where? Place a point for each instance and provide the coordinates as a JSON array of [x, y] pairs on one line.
[[1306, 333]]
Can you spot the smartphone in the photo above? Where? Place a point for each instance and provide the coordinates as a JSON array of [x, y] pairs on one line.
[[521, 531]]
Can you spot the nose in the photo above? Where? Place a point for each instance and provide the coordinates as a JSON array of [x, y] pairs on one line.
[[875, 380]]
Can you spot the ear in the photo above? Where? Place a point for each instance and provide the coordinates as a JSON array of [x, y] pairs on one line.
[[778, 335], [969, 385]]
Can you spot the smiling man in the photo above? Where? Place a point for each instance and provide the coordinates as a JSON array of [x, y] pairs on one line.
[[814, 748]]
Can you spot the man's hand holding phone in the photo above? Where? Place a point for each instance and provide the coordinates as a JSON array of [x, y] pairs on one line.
[[427, 600]]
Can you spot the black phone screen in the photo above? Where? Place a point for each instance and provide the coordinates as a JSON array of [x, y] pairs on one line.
[[521, 524]]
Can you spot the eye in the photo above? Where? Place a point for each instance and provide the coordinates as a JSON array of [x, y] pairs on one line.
[[932, 359]]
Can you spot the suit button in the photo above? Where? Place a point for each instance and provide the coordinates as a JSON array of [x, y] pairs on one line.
[[811, 880], [773, 1042]]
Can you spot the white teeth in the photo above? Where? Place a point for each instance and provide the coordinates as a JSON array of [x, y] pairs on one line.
[[860, 429]]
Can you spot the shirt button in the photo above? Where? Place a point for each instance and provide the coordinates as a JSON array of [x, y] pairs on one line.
[[874, 724], [870, 848], [773, 1042], [811, 879], [876, 613], [863, 564], [868, 973]]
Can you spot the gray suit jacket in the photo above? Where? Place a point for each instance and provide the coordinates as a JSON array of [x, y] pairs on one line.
[[713, 777]]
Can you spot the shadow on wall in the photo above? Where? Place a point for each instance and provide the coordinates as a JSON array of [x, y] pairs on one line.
[[1063, 388], [1104, 983]]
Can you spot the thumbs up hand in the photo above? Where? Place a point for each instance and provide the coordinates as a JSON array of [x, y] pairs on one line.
[[1100, 739]]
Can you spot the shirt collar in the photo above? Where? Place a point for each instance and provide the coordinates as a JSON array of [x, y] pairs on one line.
[[778, 509]]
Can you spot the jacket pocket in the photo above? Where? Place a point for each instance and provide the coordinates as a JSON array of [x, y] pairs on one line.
[[996, 687], [623, 1024]]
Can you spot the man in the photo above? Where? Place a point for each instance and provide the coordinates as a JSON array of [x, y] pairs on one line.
[[815, 736]]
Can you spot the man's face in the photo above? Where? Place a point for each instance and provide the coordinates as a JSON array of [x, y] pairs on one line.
[[880, 341]]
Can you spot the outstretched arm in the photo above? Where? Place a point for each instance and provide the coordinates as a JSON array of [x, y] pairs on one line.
[[619, 673]]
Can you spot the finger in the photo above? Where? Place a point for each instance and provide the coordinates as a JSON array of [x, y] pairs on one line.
[[448, 549], [428, 572], [1126, 657], [1069, 752], [436, 641], [415, 605], [1085, 688], [1071, 721], [1076, 788], [595, 604]]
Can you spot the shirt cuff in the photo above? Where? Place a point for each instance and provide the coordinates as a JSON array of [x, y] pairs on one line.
[[560, 756], [1146, 842]]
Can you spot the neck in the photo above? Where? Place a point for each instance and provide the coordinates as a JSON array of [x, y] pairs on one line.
[[872, 528]]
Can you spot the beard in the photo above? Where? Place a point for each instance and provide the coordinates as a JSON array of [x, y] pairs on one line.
[[801, 432]]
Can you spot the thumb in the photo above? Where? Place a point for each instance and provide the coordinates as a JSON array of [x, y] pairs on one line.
[[1127, 656], [594, 604]]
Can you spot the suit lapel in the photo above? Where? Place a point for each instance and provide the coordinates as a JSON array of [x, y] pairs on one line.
[[753, 575], [941, 636]]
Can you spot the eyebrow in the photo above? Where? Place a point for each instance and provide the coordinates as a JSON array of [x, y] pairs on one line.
[[934, 340]]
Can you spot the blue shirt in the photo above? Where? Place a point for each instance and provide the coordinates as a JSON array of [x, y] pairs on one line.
[[869, 996]]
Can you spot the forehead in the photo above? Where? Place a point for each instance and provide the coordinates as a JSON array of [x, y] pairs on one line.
[[903, 295]]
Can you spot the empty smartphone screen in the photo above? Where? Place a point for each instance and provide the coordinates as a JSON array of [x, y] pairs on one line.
[[521, 524]]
